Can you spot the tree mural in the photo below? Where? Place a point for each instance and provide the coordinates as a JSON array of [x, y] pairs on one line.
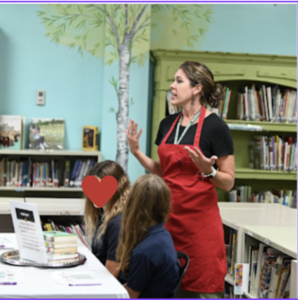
[[123, 29]]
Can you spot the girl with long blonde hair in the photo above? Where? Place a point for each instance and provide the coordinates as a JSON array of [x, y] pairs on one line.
[[103, 224], [146, 250]]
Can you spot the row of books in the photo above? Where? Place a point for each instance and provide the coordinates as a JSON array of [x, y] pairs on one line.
[[26, 173], [258, 103], [245, 194], [74, 228], [273, 153], [269, 274], [268, 104]]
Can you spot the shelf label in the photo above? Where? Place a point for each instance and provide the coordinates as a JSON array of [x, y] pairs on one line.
[[20, 190], [266, 241]]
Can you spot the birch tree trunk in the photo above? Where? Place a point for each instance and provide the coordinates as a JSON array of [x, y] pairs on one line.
[[123, 108]]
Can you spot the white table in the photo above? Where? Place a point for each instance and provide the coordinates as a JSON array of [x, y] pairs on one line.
[[237, 215], [38, 283]]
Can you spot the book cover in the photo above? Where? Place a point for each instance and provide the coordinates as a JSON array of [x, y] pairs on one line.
[[90, 138], [45, 133], [58, 236], [11, 132]]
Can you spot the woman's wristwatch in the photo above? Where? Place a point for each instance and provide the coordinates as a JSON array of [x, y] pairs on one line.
[[211, 175]]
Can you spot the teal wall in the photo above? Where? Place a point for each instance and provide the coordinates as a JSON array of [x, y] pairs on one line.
[[243, 28], [29, 61], [77, 88], [257, 28]]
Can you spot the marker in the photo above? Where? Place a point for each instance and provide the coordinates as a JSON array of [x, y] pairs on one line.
[[84, 284]]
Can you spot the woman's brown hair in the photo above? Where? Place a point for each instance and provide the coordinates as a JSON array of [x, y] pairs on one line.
[[198, 73], [114, 206], [148, 204]]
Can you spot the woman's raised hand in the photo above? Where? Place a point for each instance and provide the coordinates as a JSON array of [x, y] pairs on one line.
[[202, 162], [133, 136]]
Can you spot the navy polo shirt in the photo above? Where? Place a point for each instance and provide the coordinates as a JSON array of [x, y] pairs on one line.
[[154, 266], [105, 249]]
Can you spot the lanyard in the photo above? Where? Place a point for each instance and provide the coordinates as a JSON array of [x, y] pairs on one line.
[[176, 141]]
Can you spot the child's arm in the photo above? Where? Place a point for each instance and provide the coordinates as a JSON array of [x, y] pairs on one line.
[[139, 276], [112, 267], [132, 293]]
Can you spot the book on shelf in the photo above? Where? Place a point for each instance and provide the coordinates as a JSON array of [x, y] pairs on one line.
[[274, 153], [90, 138], [45, 133], [231, 259], [246, 194], [270, 277], [267, 103], [12, 132], [24, 172]]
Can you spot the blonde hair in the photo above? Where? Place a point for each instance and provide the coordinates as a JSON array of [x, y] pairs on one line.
[[114, 206], [148, 204], [197, 73]]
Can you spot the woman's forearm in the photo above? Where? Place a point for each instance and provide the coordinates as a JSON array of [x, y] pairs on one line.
[[223, 180], [149, 164]]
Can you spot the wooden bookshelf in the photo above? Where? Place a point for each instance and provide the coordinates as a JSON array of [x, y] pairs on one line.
[[60, 202], [272, 224], [233, 70], [45, 155], [281, 238]]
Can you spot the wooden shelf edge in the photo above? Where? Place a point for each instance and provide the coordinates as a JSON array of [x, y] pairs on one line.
[[41, 189], [246, 173], [50, 153], [266, 126]]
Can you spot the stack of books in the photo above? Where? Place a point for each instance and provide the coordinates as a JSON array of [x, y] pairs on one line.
[[61, 247]]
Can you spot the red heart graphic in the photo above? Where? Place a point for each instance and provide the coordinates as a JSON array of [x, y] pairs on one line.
[[99, 192]]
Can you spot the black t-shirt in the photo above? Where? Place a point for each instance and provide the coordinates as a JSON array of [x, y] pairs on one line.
[[215, 137], [105, 249]]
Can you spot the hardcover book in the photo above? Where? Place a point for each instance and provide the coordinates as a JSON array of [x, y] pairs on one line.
[[90, 138], [12, 132], [46, 133]]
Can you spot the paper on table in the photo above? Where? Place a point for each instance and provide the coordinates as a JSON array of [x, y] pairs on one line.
[[6, 244], [7, 277], [79, 278]]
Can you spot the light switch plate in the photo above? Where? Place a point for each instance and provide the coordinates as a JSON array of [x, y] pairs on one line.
[[40, 97]]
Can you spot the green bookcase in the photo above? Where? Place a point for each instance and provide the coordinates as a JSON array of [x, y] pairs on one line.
[[232, 70]]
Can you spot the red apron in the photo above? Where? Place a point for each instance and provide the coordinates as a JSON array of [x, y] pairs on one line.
[[194, 220]]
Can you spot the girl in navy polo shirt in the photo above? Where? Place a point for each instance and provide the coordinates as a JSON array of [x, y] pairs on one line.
[[103, 225], [146, 250]]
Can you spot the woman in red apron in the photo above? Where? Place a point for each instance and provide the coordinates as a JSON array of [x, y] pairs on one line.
[[192, 145]]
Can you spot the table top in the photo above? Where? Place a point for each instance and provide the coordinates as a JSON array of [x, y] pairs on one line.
[[237, 215], [37, 283]]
